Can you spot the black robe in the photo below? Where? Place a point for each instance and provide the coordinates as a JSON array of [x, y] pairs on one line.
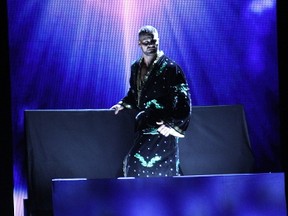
[[164, 96]]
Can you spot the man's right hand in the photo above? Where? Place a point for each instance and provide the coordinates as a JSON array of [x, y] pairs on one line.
[[117, 108]]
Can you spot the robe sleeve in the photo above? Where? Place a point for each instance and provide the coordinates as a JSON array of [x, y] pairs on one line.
[[179, 117]]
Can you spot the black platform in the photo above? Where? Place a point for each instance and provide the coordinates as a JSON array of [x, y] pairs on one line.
[[92, 144]]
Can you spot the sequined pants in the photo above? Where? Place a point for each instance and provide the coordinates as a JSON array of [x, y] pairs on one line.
[[152, 156]]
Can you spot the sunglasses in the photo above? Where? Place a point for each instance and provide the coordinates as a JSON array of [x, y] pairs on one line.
[[148, 42]]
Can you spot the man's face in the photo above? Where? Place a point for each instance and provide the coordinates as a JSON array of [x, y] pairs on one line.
[[149, 44]]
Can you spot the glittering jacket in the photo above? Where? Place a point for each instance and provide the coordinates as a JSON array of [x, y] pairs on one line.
[[164, 96]]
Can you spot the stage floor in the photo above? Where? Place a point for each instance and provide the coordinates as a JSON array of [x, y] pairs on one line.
[[203, 195]]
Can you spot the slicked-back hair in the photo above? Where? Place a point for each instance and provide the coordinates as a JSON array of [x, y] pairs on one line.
[[147, 29]]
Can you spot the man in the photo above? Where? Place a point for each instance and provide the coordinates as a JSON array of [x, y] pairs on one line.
[[160, 94]]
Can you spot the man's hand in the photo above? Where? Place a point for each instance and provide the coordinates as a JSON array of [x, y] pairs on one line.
[[166, 131], [117, 108]]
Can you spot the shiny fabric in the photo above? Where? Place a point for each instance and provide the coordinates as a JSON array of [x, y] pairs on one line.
[[164, 96]]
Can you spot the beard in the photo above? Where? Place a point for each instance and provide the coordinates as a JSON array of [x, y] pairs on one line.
[[151, 51]]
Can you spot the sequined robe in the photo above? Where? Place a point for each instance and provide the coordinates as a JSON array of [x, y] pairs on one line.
[[164, 96]]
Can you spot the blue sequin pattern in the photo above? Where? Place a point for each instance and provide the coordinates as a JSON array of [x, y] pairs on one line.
[[149, 163], [155, 103]]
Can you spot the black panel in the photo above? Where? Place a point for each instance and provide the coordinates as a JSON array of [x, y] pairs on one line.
[[92, 144], [73, 144], [6, 143], [216, 142]]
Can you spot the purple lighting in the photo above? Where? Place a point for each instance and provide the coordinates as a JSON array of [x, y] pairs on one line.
[[67, 54], [259, 6]]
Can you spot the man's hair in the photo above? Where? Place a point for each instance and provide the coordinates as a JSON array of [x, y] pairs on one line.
[[147, 29]]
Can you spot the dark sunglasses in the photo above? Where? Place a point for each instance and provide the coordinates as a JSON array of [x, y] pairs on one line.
[[148, 42]]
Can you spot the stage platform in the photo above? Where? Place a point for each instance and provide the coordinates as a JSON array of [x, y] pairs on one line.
[[195, 195], [91, 144]]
